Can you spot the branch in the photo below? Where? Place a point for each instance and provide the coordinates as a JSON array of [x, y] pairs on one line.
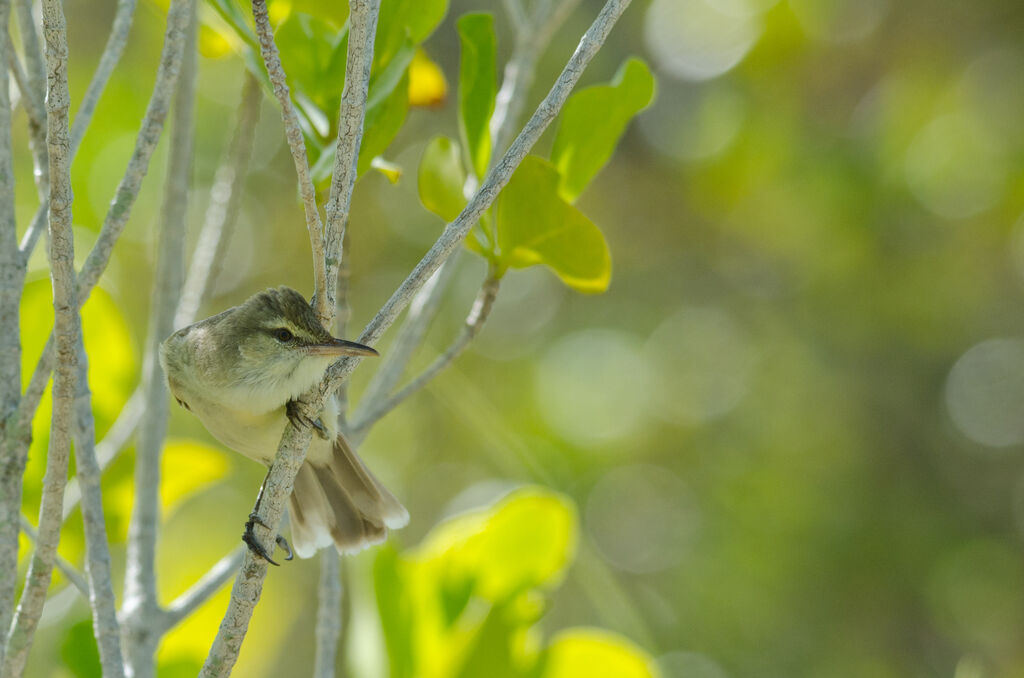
[[12, 275], [67, 569], [120, 208], [67, 329], [190, 601], [474, 322], [141, 609], [328, 615], [292, 132], [421, 313], [119, 30], [111, 55], [36, 92], [36, 114], [97, 553], [222, 211], [496, 179], [363, 21]]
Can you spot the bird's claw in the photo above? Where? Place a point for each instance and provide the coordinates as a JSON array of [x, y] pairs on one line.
[[249, 537], [297, 414]]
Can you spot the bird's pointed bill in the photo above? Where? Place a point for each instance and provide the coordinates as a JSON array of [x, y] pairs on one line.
[[340, 347]]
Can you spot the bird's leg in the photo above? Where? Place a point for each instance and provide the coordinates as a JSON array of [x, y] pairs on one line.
[[298, 414], [249, 537]]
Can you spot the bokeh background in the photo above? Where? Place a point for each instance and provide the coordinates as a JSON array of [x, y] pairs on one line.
[[792, 431]]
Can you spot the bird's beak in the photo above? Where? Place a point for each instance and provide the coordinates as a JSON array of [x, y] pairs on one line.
[[340, 347]]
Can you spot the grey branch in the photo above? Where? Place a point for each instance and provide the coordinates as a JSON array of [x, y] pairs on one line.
[[211, 582], [120, 209], [67, 569], [141, 611], [97, 552], [36, 114], [496, 179], [474, 323], [293, 133], [222, 211], [12, 275], [108, 60], [328, 615], [67, 330], [363, 21]]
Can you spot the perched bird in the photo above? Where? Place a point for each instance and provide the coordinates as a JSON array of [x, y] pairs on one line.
[[240, 372]]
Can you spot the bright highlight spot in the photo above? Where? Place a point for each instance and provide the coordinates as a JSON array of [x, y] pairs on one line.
[[839, 21], [985, 393]]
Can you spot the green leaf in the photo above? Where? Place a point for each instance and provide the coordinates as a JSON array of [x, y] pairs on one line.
[[206, 465], [383, 122], [594, 653], [401, 20], [477, 87], [396, 613], [441, 178], [314, 53], [537, 226], [592, 122]]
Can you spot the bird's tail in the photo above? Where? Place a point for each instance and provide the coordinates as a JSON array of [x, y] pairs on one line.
[[340, 502]]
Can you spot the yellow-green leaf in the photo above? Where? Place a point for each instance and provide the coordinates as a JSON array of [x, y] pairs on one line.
[[595, 653], [477, 87], [203, 465], [441, 178], [592, 122], [537, 226]]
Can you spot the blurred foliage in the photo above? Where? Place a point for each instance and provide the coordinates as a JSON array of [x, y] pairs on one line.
[[791, 425]]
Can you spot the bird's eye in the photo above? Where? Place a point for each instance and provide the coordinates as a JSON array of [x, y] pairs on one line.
[[282, 334]]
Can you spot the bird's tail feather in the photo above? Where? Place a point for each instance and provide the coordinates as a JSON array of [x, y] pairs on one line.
[[340, 502]]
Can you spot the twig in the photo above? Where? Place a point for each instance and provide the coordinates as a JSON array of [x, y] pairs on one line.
[[141, 611], [111, 55], [211, 582], [36, 92], [36, 115], [119, 30], [328, 615], [496, 179], [222, 211], [120, 209], [293, 133], [12, 275], [67, 330], [97, 552], [67, 569], [363, 22], [474, 322], [421, 313]]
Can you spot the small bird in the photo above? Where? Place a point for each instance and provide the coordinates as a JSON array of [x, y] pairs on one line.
[[241, 372]]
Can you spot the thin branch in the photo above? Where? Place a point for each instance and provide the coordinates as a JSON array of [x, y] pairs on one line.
[[293, 133], [108, 60], [12, 275], [97, 552], [69, 571], [119, 30], [67, 329], [342, 316], [328, 615], [496, 179], [36, 114], [120, 208], [36, 75], [474, 323], [141, 609], [211, 582], [117, 437], [363, 21], [222, 211]]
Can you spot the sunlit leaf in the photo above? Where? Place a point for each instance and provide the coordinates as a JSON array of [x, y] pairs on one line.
[[390, 170], [205, 465], [396, 614], [525, 541], [427, 84], [404, 20], [441, 178], [595, 653], [537, 226], [592, 122], [477, 87], [314, 54]]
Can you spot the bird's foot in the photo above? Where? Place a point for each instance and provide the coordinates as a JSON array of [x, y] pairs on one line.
[[249, 537], [300, 414]]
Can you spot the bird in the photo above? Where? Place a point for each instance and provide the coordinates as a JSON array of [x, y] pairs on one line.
[[242, 373]]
